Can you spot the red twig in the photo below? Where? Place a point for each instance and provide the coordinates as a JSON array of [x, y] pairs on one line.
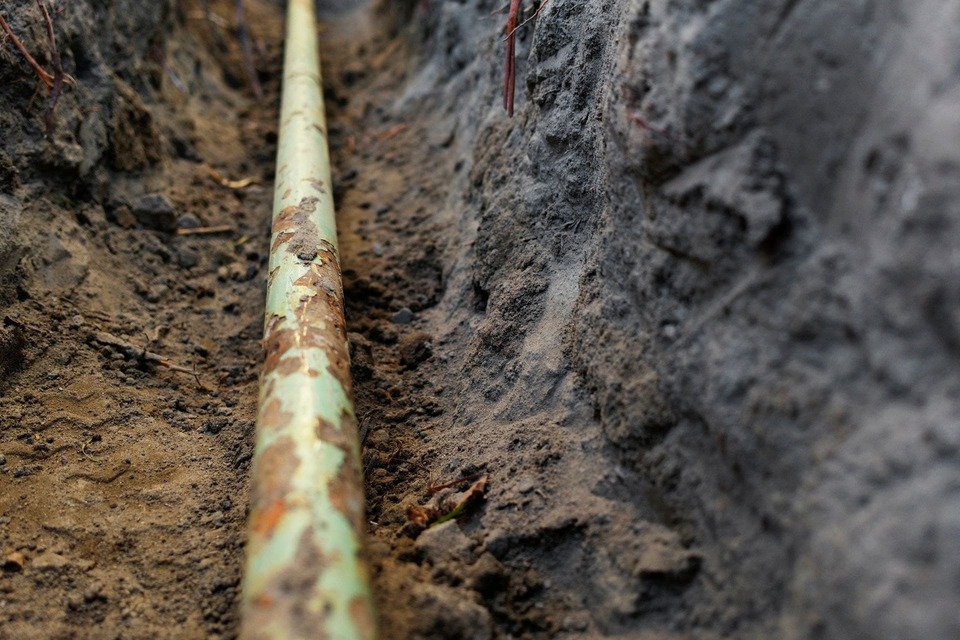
[[448, 485], [44, 75], [510, 78], [247, 51], [527, 21], [58, 75]]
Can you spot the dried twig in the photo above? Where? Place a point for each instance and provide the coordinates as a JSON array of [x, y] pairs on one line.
[[244, 38], [510, 77], [392, 132], [204, 231], [440, 487], [132, 351], [58, 75], [45, 76], [226, 182], [528, 20]]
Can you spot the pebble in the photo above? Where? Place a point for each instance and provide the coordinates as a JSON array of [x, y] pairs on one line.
[[187, 258], [155, 211], [404, 316], [188, 221]]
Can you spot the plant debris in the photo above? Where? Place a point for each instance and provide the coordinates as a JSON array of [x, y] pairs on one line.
[[449, 506]]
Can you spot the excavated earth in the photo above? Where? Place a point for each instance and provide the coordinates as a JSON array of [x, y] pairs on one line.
[[692, 311]]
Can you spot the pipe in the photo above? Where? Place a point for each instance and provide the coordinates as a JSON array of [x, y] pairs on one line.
[[305, 574]]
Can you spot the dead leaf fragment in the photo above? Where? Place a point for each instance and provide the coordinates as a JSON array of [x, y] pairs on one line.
[[230, 184], [451, 506], [422, 516]]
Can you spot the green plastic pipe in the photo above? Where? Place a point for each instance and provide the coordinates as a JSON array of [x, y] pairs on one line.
[[305, 573]]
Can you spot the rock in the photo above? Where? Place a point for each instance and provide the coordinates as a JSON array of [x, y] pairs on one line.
[[187, 258], [155, 211], [188, 221], [404, 316]]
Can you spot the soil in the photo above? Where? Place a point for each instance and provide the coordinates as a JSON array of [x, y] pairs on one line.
[[691, 312]]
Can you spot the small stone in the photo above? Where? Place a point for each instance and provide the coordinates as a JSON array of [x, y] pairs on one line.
[[378, 250], [404, 316], [187, 258], [76, 321], [155, 211], [188, 221], [3, 459]]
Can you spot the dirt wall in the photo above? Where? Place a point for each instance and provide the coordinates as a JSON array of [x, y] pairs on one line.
[[712, 258]]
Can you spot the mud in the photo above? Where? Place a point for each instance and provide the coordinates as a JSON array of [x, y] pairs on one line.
[[691, 312]]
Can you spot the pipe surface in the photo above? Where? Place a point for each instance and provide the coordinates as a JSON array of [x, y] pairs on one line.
[[305, 574]]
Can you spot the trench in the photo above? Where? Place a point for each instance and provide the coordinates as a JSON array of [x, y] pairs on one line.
[[687, 317]]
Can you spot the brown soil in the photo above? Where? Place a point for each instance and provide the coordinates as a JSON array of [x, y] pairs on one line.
[[123, 482]]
